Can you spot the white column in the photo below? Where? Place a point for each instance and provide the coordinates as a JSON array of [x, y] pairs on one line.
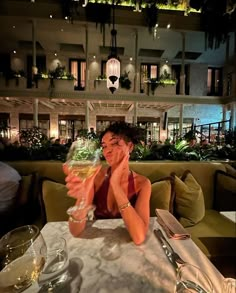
[[87, 115], [135, 112], [34, 71], [35, 109], [182, 84], [181, 109], [15, 127], [136, 78]]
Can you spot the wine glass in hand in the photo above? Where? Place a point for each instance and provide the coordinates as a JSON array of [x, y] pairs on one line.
[[83, 161], [22, 258]]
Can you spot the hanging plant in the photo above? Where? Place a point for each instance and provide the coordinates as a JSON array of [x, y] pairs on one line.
[[151, 12], [125, 81], [216, 22], [69, 9], [100, 14]]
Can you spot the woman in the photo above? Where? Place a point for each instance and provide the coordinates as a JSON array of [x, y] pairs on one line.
[[115, 190]]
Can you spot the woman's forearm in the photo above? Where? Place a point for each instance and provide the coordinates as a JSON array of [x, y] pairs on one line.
[[135, 225], [77, 220], [135, 218], [76, 227]]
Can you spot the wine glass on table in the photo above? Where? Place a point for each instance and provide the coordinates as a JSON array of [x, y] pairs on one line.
[[192, 279], [83, 161], [22, 258], [55, 274]]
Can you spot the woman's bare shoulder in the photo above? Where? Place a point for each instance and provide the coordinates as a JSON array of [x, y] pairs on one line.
[[140, 179]]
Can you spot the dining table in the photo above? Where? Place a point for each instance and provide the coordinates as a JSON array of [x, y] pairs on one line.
[[95, 267]]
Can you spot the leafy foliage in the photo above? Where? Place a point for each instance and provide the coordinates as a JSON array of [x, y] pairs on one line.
[[125, 81], [34, 145], [84, 149], [32, 137], [60, 73]]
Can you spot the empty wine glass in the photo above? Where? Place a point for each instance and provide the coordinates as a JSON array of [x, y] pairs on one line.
[[83, 160], [192, 279], [55, 272], [22, 258]]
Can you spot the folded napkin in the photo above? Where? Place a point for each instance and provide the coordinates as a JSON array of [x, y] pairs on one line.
[[170, 225]]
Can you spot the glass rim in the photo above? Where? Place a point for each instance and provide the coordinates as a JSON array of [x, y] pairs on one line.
[[60, 240], [7, 236], [202, 272]]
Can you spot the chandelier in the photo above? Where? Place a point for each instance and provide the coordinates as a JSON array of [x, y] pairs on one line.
[[113, 63]]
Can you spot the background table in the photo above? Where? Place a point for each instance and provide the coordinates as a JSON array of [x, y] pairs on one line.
[[230, 215], [143, 268]]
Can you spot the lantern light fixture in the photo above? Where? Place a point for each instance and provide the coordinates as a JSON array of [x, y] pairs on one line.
[[113, 63]]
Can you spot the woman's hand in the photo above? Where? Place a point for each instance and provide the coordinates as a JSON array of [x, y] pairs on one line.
[[120, 173]]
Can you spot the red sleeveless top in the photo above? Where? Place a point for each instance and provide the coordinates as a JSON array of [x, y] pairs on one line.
[[100, 198]]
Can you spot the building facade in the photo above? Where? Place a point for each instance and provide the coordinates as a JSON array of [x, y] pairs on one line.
[[43, 51]]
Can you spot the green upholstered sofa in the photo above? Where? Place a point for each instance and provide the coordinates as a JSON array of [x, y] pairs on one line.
[[214, 233]]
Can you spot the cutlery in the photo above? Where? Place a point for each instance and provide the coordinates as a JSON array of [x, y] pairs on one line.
[[169, 251], [191, 285]]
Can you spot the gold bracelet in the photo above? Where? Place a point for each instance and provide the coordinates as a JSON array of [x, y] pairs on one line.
[[72, 219], [124, 206]]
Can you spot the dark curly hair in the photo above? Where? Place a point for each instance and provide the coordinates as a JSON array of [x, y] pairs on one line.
[[127, 131]]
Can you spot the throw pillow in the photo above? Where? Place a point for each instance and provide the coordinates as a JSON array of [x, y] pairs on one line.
[[162, 195], [56, 201], [230, 170], [189, 200], [24, 189], [28, 198], [225, 191]]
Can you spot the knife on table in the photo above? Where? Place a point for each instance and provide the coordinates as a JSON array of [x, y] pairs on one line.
[[176, 258], [168, 252]]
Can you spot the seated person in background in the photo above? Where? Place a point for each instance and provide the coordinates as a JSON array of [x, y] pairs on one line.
[[9, 184], [116, 191]]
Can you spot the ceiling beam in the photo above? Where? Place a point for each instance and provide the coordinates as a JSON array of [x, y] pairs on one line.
[[130, 108], [6, 104], [47, 104], [91, 107]]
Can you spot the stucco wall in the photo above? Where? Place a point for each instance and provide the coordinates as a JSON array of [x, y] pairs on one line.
[[198, 79]]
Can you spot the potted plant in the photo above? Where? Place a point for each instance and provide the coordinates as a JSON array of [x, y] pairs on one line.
[[59, 74], [124, 80], [16, 76], [164, 80], [154, 83]]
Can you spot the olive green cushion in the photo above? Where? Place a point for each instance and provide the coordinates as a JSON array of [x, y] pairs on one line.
[[225, 191], [24, 189], [162, 195], [230, 170], [56, 201], [212, 225], [189, 200]]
